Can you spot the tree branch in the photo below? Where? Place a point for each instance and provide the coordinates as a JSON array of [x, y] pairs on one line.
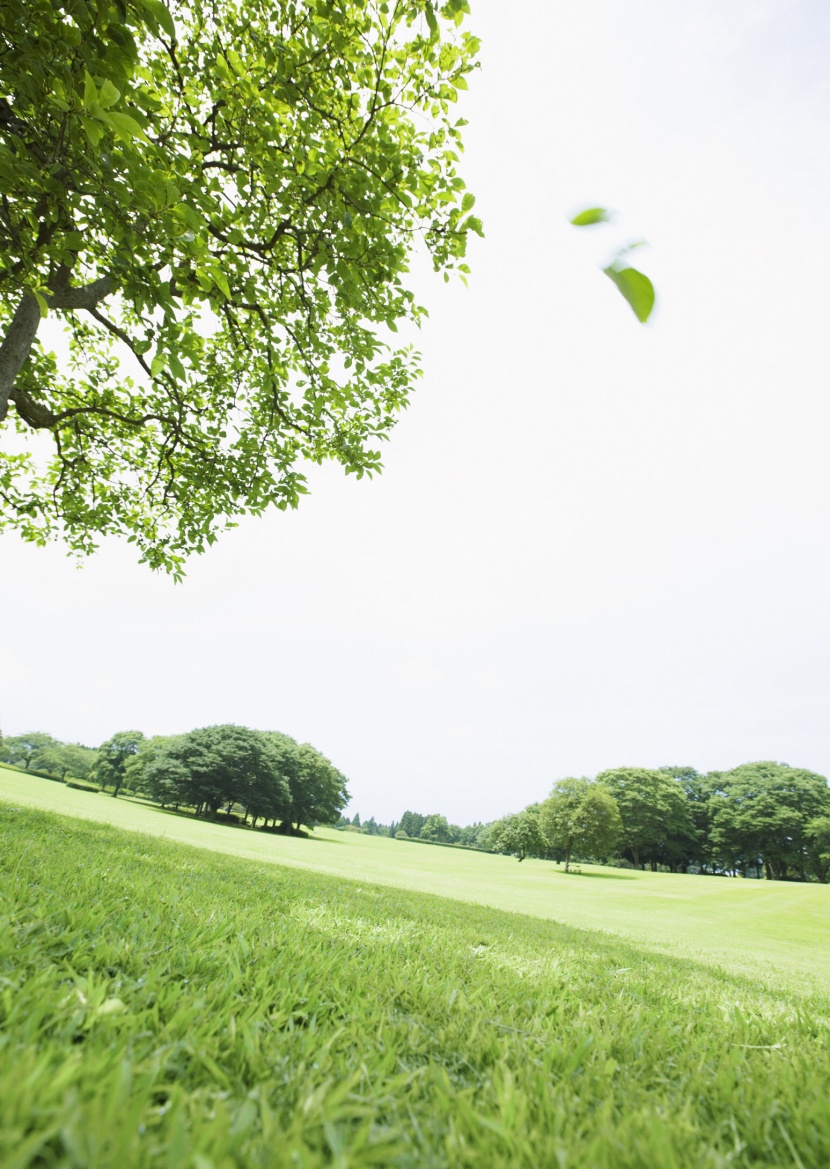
[[87, 296], [20, 335]]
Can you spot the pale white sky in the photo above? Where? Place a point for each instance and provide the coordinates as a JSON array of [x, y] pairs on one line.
[[594, 543]]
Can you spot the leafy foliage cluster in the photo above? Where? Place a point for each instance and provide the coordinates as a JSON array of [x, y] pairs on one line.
[[435, 829], [218, 203], [267, 775], [42, 753], [760, 818]]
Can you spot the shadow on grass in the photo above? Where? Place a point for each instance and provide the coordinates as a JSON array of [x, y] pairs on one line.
[[618, 876], [221, 822]]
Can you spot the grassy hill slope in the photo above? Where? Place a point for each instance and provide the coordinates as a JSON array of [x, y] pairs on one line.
[[763, 929], [167, 1006]]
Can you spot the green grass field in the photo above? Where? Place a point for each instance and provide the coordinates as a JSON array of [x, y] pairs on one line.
[[162, 1005], [763, 929]]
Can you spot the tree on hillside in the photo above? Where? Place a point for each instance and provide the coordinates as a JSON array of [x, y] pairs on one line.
[[692, 845], [817, 835], [165, 777], [412, 823], [516, 835], [141, 773], [110, 767], [762, 813], [318, 790], [218, 206], [580, 815], [436, 828], [652, 808], [23, 750], [66, 759], [474, 835], [231, 764]]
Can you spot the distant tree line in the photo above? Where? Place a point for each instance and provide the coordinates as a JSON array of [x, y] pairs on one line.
[[434, 829], [227, 770], [41, 753], [760, 819]]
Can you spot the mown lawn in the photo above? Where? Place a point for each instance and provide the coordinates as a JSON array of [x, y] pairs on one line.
[[167, 1006], [758, 928]]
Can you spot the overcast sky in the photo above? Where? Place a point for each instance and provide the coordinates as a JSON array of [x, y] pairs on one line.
[[594, 543]]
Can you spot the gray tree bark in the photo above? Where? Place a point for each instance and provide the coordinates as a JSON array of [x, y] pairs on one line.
[[20, 335]]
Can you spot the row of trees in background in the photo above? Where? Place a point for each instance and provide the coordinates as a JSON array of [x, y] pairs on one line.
[[264, 775], [41, 753], [759, 819]]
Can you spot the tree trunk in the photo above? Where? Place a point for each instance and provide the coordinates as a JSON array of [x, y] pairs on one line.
[[568, 859], [14, 351]]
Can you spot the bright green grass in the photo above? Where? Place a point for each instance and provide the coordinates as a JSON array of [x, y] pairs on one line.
[[163, 1006], [763, 929]]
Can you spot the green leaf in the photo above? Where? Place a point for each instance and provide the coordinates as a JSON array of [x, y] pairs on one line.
[[108, 94], [162, 15], [126, 127], [636, 288], [176, 368], [431, 22], [590, 216], [90, 92], [92, 129], [222, 282], [467, 203]]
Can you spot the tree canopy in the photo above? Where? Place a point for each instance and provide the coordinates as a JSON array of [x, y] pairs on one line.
[[517, 835], [580, 815], [267, 774], [436, 828], [218, 205], [653, 810], [763, 813], [41, 752], [27, 750], [110, 768]]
